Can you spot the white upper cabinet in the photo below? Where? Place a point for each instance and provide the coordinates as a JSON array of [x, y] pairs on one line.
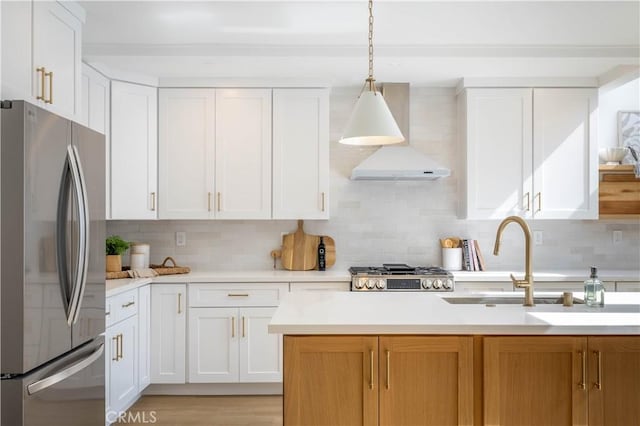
[[300, 154], [95, 113], [186, 153], [41, 55], [134, 144], [243, 154], [498, 151], [529, 152], [565, 154]]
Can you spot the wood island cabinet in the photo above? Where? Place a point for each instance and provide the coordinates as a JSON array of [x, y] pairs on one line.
[[371, 380], [426, 380], [614, 380], [562, 380], [331, 380], [461, 380]]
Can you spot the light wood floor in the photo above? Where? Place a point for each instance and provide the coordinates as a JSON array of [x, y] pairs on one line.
[[210, 410]]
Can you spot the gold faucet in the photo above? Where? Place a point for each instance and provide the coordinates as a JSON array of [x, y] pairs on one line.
[[527, 283]]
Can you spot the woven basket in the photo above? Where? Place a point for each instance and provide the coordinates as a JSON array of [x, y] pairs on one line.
[[163, 269]]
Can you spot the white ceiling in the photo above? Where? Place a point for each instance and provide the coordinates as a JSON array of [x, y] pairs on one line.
[[324, 43]]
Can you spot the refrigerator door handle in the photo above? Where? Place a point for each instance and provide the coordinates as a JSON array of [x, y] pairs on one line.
[[47, 382], [83, 240], [72, 292]]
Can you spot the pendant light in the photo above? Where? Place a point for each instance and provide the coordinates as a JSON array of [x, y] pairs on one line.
[[371, 122]]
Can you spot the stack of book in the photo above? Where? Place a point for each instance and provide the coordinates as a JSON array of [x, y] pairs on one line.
[[472, 259]]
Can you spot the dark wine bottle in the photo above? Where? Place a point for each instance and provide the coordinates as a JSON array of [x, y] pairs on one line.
[[321, 255]]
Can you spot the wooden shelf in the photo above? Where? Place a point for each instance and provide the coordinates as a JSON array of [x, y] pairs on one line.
[[621, 168]]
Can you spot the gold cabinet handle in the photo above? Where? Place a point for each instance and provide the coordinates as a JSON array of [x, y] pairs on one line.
[[237, 294], [539, 195], [179, 303], [233, 327], [121, 346], [219, 201], [371, 372], [209, 201], [388, 369], [323, 201], [42, 71], [126, 305], [115, 338], [50, 75], [153, 201], [243, 326], [583, 380], [528, 197], [598, 383]]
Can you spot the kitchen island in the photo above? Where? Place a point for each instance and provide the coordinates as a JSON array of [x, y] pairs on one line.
[[413, 358]]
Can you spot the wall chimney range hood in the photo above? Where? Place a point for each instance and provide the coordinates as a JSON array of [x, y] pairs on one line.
[[398, 162]]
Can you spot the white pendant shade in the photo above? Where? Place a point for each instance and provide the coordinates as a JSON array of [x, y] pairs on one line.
[[371, 122]]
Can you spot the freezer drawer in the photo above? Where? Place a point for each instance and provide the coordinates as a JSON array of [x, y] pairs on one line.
[[69, 391]]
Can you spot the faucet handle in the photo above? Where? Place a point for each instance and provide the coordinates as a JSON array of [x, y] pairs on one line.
[[520, 283]]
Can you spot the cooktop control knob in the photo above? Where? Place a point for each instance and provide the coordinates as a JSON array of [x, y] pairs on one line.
[[426, 283], [380, 284], [360, 283], [437, 283], [447, 284], [370, 284]]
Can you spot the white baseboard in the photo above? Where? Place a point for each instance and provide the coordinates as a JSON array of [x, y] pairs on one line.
[[215, 389]]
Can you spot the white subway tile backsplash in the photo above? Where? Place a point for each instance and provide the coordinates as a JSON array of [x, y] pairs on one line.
[[376, 222]]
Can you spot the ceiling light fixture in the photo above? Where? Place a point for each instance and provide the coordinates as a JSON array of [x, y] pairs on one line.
[[371, 121]]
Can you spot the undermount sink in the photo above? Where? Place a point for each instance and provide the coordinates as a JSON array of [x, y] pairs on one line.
[[509, 300]]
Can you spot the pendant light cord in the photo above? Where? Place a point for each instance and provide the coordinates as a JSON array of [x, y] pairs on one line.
[[371, 39]]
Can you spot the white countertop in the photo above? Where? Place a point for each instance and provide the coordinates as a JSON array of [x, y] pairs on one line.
[[549, 275], [342, 275], [427, 313], [268, 276]]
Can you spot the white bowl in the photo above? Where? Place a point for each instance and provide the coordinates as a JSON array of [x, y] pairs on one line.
[[612, 155]]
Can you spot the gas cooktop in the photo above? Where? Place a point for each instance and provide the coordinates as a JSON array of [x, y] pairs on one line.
[[400, 277]]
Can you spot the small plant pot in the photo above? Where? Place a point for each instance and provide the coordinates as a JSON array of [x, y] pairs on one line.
[[114, 263]]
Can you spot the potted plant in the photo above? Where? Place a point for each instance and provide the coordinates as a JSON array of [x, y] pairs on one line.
[[116, 247]]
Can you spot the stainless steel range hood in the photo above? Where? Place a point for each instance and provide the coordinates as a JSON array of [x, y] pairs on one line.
[[398, 162]]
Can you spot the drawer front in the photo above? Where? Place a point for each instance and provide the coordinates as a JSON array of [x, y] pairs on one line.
[[321, 286], [109, 317], [244, 294], [122, 306]]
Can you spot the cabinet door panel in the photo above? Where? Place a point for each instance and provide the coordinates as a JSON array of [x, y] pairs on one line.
[[565, 154], [534, 380], [426, 380], [260, 351], [617, 401], [134, 145], [56, 46], [498, 152], [144, 337], [300, 154], [243, 154], [168, 334], [328, 380], [213, 345], [123, 383], [186, 153]]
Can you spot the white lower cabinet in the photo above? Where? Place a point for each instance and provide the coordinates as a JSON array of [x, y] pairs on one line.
[[168, 333], [229, 340], [127, 349], [230, 345], [123, 383]]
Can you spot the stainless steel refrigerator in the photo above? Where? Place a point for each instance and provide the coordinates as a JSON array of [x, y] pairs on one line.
[[52, 258]]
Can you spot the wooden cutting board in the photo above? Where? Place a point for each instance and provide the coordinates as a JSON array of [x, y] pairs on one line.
[[300, 250]]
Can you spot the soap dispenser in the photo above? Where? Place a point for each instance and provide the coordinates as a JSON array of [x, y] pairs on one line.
[[594, 290]]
